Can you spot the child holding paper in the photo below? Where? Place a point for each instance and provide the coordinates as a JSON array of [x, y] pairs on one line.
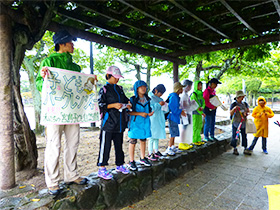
[[210, 110], [197, 95], [112, 103]]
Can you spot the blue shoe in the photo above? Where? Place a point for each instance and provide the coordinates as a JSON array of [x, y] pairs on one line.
[[265, 151], [122, 169], [104, 174]]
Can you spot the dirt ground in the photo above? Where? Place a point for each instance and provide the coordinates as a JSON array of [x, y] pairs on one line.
[[87, 157]]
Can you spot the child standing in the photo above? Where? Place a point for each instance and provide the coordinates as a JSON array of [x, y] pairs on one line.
[[261, 113], [210, 110], [186, 125], [139, 124], [174, 117], [197, 95], [112, 103], [157, 122], [238, 112]]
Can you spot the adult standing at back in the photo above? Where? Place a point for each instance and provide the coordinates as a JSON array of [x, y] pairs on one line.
[[61, 59], [210, 110]]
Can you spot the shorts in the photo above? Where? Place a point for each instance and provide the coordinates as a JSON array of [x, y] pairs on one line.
[[173, 128], [134, 141]]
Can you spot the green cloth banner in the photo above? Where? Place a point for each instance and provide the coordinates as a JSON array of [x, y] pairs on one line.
[[68, 97]]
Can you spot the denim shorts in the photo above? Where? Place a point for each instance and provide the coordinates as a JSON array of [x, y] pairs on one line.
[[173, 128]]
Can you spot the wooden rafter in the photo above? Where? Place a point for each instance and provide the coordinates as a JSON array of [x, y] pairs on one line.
[[90, 7], [198, 19], [161, 20], [238, 16], [100, 23], [232, 45], [113, 43], [277, 6]]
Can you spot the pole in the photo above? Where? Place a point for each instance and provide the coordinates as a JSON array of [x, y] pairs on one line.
[[91, 67], [7, 165]]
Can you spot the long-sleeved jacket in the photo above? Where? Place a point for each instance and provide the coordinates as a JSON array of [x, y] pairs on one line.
[[139, 127], [174, 107], [57, 60], [208, 92], [197, 95], [261, 115], [112, 119], [158, 119]]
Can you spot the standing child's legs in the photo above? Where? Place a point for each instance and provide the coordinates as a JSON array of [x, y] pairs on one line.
[[131, 148], [142, 148], [207, 127], [171, 141], [151, 145], [197, 126], [119, 154], [264, 145], [253, 143], [156, 145]]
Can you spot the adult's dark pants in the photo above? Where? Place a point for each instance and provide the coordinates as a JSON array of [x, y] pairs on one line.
[[243, 137], [209, 126], [105, 147], [255, 142]]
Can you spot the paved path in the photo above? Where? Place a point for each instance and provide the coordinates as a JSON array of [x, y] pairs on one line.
[[226, 182]]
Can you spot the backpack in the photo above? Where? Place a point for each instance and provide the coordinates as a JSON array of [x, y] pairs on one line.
[[167, 113], [135, 99]]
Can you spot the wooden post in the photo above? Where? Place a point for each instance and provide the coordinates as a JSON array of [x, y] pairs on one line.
[[7, 165], [175, 72]]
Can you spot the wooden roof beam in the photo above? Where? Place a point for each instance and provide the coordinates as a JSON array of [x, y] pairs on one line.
[[101, 24], [118, 18], [160, 20], [113, 43], [277, 6], [238, 16], [197, 18], [236, 44]]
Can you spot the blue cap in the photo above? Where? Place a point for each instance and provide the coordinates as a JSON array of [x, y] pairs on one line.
[[160, 88], [62, 37]]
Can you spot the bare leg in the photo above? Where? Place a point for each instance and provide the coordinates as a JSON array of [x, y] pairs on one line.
[[171, 141], [131, 151], [142, 148]]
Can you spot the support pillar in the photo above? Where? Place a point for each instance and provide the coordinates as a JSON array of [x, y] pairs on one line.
[[7, 165], [175, 72]]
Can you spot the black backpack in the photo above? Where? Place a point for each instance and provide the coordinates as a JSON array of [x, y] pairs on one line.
[[167, 113]]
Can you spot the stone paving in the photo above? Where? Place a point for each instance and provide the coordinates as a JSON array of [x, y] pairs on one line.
[[226, 182]]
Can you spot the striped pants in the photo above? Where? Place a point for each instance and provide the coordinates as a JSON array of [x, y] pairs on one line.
[[105, 147]]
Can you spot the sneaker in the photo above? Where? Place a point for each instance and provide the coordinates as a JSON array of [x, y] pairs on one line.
[[213, 138], [158, 154], [54, 190], [152, 157], [265, 151], [132, 166], [104, 174], [235, 151], [169, 152], [122, 169], [79, 181], [247, 152], [145, 162], [175, 149], [250, 149], [208, 140]]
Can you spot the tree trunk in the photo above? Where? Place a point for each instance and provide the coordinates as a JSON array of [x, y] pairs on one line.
[[198, 69], [150, 64], [35, 94], [25, 140], [138, 75], [7, 166], [175, 72]]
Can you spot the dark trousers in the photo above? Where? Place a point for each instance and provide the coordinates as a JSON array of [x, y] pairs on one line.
[[243, 136], [105, 147], [255, 142], [209, 126]]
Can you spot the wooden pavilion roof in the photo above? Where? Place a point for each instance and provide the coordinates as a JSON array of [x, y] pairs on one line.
[[167, 29]]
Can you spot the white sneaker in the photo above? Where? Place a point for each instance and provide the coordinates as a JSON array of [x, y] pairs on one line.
[[176, 150], [169, 151]]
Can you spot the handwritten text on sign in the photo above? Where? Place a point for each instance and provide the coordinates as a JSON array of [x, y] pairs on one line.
[[68, 97]]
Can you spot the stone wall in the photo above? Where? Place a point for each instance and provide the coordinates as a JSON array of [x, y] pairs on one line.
[[123, 190]]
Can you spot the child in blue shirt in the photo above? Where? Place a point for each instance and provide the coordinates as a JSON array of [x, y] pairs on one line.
[[157, 122], [139, 124], [174, 117]]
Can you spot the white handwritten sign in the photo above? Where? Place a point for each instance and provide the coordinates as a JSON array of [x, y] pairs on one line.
[[68, 97]]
